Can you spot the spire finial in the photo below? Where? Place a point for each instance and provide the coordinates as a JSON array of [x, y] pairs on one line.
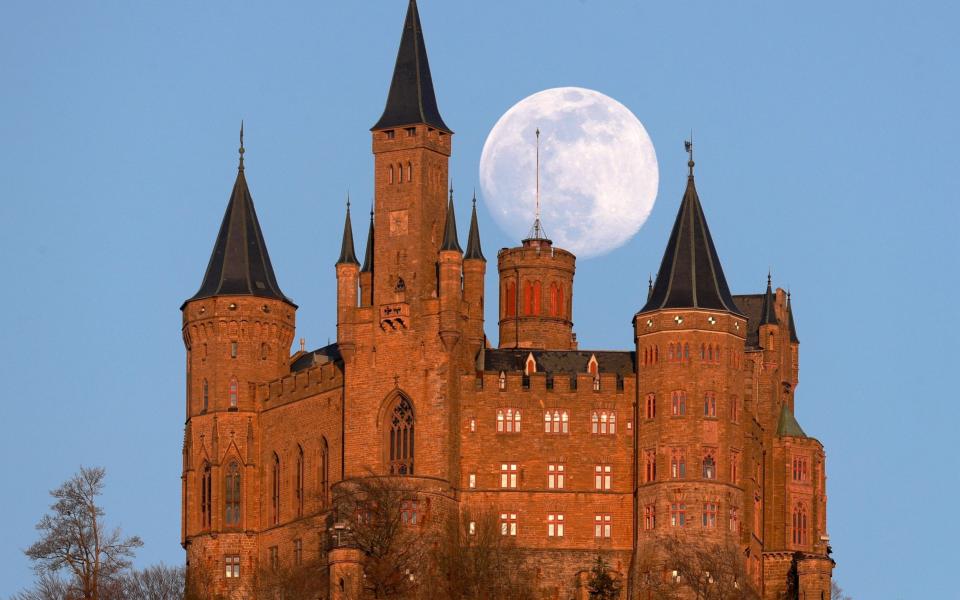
[[241, 145], [537, 233], [769, 277], [451, 189], [474, 197], [688, 145]]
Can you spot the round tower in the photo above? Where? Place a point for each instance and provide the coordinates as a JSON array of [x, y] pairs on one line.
[[694, 474], [237, 330]]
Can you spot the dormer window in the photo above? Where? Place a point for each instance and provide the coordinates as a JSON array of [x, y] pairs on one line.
[[390, 134], [411, 131]]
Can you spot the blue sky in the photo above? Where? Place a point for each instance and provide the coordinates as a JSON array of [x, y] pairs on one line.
[[826, 136]]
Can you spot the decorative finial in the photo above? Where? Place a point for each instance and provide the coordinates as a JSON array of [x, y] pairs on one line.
[[451, 189], [688, 145], [303, 344], [474, 197], [241, 145], [769, 278], [537, 232], [650, 281]]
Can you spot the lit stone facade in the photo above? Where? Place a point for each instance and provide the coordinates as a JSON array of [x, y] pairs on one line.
[[691, 432]]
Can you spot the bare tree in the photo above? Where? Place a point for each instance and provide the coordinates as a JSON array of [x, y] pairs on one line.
[[836, 592], [306, 581], [75, 539], [158, 582], [686, 568], [472, 560], [48, 587], [388, 530]]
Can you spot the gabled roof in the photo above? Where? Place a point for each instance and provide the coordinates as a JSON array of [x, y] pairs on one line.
[[473, 238], [347, 255], [450, 238], [240, 264], [690, 274], [559, 361], [411, 99], [368, 255], [788, 426]]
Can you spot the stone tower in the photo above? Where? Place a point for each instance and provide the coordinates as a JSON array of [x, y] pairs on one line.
[[237, 330]]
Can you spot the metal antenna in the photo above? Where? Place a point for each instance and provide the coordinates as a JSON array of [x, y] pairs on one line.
[[688, 144], [537, 232]]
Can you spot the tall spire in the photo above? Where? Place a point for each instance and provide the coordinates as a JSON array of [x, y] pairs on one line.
[[450, 241], [368, 255], [768, 313], [690, 275], [240, 264], [411, 99], [790, 322], [536, 232], [347, 255], [473, 238]]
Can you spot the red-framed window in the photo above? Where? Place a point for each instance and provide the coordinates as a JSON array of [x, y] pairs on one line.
[[555, 476], [678, 403], [555, 525], [650, 411], [602, 477], [508, 475], [650, 516], [508, 420], [710, 404], [508, 524], [678, 514], [556, 421], [603, 526], [603, 422], [710, 515]]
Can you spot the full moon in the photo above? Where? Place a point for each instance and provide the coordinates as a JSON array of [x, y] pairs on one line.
[[598, 170]]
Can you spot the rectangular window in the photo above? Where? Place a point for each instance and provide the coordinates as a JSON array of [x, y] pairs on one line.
[[679, 403], [233, 566], [408, 512], [734, 467], [602, 526], [801, 471], [472, 480], [555, 476], [391, 134], [411, 131], [734, 519], [734, 409], [298, 552], [650, 516], [274, 558], [508, 475], [710, 515], [472, 528], [678, 514], [678, 464], [603, 477], [473, 425], [651, 406], [555, 525], [233, 349], [508, 524], [710, 405]]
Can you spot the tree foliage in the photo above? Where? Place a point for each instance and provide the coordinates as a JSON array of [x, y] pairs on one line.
[[602, 585], [75, 540]]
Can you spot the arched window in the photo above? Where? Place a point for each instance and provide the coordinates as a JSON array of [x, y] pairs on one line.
[[299, 481], [502, 381], [508, 420], [670, 353], [275, 489], [409, 171], [651, 411], [390, 175], [264, 351], [510, 299], [537, 297], [324, 471], [556, 421], [206, 490], [401, 437], [679, 407], [703, 352], [710, 404], [231, 493], [686, 352], [531, 366], [399, 173], [716, 354], [234, 392], [527, 298], [800, 524], [709, 467], [206, 395], [561, 302], [554, 300]]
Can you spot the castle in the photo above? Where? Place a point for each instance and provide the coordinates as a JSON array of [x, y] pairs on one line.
[[578, 452]]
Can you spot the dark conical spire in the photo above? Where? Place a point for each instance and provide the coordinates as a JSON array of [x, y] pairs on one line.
[[790, 322], [411, 99], [768, 313], [787, 425], [450, 241], [240, 264], [649, 287], [347, 255], [473, 238], [368, 255], [690, 274]]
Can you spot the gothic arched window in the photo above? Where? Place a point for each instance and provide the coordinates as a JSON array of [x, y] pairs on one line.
[[709, 467], [299, 482], [234, 392], [324, 470], [206, 395], [401, 437], [206, 489], [800, 524], [275, 489], [231, 492]]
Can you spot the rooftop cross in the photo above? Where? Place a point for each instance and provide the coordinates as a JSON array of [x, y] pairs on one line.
[[241, 145]]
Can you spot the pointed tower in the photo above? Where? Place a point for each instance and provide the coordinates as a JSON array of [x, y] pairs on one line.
[[366, 271], [348, 271], [691, 430], [237, 329], [474, 271], [450, 275]]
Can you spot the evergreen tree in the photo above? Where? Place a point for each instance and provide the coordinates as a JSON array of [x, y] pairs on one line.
[[601, 585]]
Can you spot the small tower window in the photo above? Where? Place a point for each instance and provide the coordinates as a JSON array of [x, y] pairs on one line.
[[502, 381], [409, 172], [411, 131], [233, 349], [275, 489], [232, 495], [390, 134], [390, 172], [206, 490], [234, 392], [206, 395], [264, 351], [299, 481], [401, 423], [709, 467]]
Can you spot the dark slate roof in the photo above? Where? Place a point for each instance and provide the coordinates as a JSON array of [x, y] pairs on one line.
[[690, 274], [450, 241], [240, 264], [368, 255], [768, 312], [473, 238], [790, 321], [411, 99], [320, 356], [788, 426], [560, 361], [347, 255], [751, 306]]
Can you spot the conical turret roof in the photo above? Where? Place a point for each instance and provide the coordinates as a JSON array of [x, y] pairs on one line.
[[347, 255], [787, 425], [368, 255], [790, 321], [768, 314], [411, 98], [690, 274], [450, 241], [240, 264], [473, 237]]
